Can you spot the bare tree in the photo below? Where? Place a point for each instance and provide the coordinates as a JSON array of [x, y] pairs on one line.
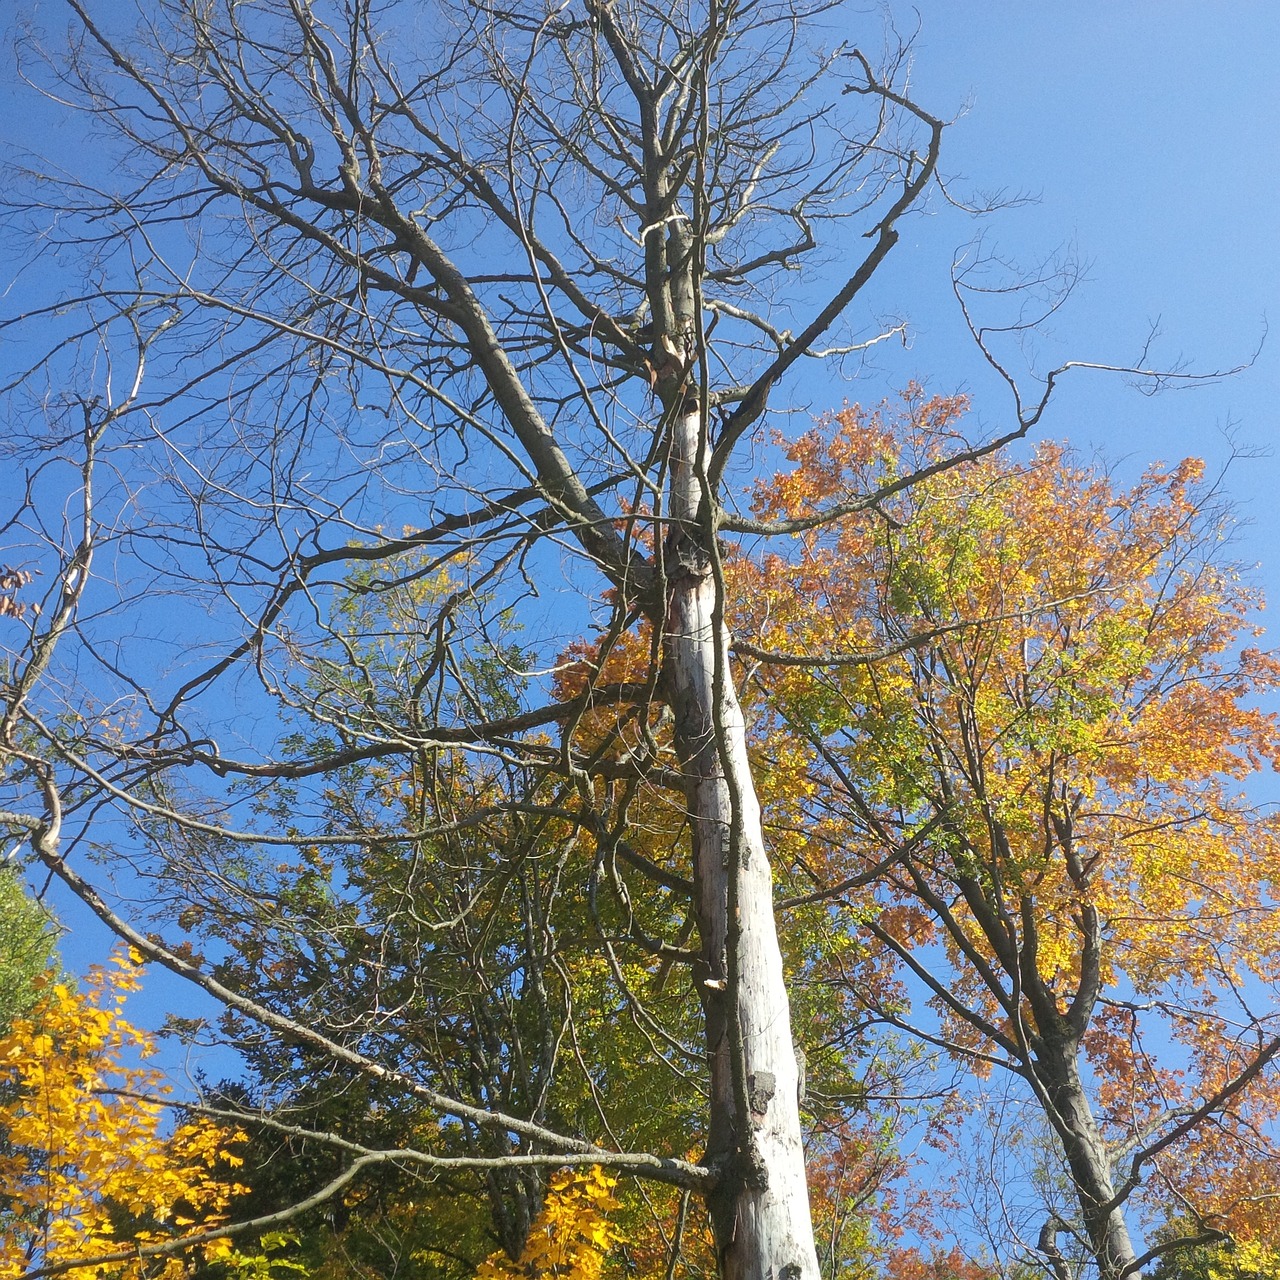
[[515, 278]]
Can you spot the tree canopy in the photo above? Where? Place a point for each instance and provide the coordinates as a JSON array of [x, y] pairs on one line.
[[86, 1168], [1038, 783]]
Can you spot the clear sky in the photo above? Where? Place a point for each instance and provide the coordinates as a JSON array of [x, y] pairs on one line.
[[1147, 134]]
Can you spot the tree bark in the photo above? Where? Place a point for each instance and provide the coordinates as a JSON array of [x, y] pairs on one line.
[[760, 1209], [1058, 1070]]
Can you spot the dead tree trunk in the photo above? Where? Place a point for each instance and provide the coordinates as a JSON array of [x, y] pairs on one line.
[[760, 1209]]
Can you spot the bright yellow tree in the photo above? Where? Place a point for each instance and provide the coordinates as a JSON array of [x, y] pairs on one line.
[[572, 1235], [83, 1155]]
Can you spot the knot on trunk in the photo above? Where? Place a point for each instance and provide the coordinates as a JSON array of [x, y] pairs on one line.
[[686, 557], [761, 1086]]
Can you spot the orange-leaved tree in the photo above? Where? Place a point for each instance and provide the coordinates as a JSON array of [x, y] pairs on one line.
[[85, 1164], [1032, 802]]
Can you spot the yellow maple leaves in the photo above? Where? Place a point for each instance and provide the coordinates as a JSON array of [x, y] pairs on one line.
[[571, 1236], [84, 1164]]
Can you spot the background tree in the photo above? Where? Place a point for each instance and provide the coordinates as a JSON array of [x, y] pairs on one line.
[[86, 1171], [1040, 775], [1220, 1261], [26, 948], [500, 937]]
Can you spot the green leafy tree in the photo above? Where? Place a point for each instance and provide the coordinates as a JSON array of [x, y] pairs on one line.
[[462, 910], [27, 948]]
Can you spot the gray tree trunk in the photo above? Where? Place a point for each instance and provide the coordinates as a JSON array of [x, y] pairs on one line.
[[1086, 1152], [760, 1211]]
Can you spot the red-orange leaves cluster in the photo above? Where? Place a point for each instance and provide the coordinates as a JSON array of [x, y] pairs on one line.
[[1005, 715], [952, 1264], [856, 451]]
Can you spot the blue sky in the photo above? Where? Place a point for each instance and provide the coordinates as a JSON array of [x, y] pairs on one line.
[[1146, 134]]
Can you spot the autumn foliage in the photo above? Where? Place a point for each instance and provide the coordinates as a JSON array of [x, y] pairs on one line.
[[571, 1237], [1006, 716], [87, 1168]]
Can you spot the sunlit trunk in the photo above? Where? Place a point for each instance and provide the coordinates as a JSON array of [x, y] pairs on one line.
[[1059, 1072], [760, 1212]]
